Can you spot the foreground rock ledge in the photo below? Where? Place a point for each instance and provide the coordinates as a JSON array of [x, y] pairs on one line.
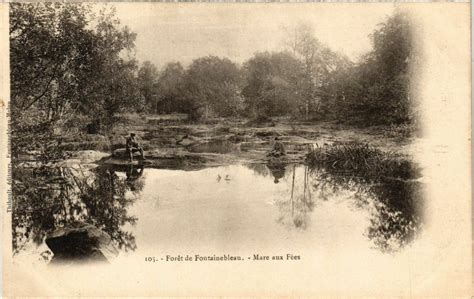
[[81, 242]]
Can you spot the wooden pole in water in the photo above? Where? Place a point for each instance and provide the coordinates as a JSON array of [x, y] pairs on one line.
[[304, 189], [307, 180], [292, 188]]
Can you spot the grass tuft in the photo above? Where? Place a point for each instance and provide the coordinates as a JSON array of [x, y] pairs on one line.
[[362, 159]]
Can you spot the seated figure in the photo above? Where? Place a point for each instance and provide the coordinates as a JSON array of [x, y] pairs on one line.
[[133, 146], [278, 149]]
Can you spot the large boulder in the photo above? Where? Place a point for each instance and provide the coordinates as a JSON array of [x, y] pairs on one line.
[[81, 242]]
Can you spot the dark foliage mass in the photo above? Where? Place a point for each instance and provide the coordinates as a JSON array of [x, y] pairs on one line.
[[65, 60], [377, 90]]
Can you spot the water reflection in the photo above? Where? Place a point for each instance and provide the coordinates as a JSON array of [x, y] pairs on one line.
[[134, 175], [259, 169], [395, 205], [48, 198], [295, 210], [277, 170], [398, 213], [207, 206]]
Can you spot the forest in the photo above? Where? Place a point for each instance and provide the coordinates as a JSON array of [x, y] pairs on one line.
[[74, 66]]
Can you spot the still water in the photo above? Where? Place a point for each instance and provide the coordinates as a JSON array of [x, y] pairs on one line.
[[241, 209]]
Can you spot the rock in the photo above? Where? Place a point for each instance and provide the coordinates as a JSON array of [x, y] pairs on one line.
[[266, 133], [121, 161], [222, 130], [89, 156], [185, 142], [69, 163], [122, 153], [236, 138], [217, 146], [80, 243]]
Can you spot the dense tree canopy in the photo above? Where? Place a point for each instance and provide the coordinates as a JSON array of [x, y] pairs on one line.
[[273, 83], [148, 86], [170, 84], [67, 60], [320, 67], [212, 85], [49, 44], [376, 91]]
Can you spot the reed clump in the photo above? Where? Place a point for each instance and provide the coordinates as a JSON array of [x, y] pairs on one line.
[[362, 159]]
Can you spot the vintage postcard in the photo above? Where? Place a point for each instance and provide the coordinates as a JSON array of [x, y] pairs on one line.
[[236, 149]]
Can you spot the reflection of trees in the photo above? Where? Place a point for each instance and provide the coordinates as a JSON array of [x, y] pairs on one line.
[[39, 204], [277, 170], [295, 211], [395, 205], [107, 205], [47, 198], [259, 169], [397, 216]]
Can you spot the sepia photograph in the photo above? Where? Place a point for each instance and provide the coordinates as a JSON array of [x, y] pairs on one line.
[[289, 142]]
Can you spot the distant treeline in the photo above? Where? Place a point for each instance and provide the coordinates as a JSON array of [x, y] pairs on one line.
[[69, 60]]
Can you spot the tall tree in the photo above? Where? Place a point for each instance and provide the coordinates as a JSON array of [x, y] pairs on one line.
[[170, 86], [319, 64], [49, 46], [379, 92], [64, 60], [148, 85], [112, 83], [273, 84], [212, 84]]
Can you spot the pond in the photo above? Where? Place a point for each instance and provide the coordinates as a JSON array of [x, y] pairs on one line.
[[233, 209]]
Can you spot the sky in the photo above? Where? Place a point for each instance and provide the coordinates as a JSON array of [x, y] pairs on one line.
[[182, 32]]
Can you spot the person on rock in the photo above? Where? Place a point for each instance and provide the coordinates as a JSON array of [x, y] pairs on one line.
[[278, 149], [132, 146]]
